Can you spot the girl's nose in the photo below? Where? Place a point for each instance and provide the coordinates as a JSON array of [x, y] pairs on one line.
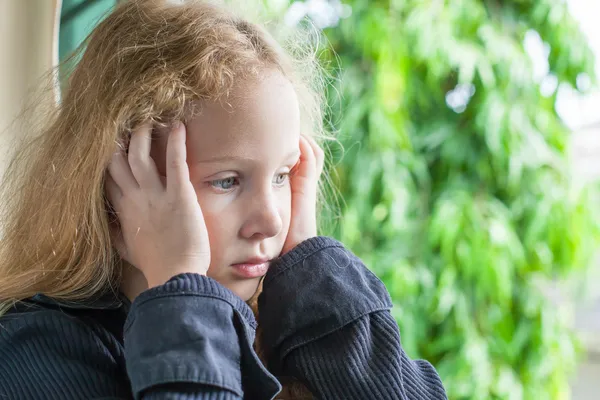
[[263, 217]]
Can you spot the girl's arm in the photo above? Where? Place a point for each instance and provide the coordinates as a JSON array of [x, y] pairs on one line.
[[190, 338], [194, 332], [325, 320]]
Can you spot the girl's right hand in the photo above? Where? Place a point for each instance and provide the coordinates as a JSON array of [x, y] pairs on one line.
[[163, 232]]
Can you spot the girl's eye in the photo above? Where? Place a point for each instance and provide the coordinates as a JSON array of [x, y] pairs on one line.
[[281, 178], [224, 184]]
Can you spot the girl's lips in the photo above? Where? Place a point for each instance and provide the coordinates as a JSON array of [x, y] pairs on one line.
[[251, 270]]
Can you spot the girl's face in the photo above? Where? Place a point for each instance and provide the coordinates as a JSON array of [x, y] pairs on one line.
[[240, 152]]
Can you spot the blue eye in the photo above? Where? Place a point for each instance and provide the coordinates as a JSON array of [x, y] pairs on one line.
[[224, 184], [281, 178]]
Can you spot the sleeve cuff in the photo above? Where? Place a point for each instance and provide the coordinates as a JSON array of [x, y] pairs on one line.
[[193, 285]]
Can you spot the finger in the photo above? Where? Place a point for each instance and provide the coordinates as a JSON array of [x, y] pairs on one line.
[[178, 174], [113, 192], [121, 174], [318, 152], [307, 164], [142, 165]]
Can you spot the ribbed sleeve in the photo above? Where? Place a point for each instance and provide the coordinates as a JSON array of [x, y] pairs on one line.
[[364, 360], [326, 322]]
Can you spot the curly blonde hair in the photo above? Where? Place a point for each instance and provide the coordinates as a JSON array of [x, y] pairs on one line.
[[147, 60]]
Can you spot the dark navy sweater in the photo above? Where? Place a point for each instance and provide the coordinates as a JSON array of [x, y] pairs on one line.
[[325, 320]]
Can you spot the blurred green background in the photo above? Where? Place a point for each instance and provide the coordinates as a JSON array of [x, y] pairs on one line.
[[455, 180], [460, 195]]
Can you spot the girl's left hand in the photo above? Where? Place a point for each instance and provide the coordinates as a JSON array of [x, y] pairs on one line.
[[304, 182]]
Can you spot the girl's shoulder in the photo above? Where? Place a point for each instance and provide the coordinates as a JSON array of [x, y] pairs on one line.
[[42, 323], [72, 345], [41, 309]]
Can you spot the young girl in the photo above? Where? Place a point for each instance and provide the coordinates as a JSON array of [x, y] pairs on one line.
[[179, 174]]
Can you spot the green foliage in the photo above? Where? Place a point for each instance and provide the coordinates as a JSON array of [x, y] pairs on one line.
[[466, 212]]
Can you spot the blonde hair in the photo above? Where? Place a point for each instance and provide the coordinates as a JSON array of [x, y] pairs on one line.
[[147, 60]]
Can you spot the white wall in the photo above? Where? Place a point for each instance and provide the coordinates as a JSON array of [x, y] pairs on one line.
[[28, 49]]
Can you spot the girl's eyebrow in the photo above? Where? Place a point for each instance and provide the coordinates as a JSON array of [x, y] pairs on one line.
[[221, 159]]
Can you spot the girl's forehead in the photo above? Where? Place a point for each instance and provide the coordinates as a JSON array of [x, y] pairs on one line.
[[257, 118]]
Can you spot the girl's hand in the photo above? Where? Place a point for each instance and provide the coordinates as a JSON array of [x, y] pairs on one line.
[[162, 227], [304, 181]]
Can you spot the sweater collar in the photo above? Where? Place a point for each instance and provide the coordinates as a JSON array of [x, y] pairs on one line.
[[106, 301]]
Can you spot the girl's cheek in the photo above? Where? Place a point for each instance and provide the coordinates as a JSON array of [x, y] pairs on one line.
[[221, 204], [285, 207]]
